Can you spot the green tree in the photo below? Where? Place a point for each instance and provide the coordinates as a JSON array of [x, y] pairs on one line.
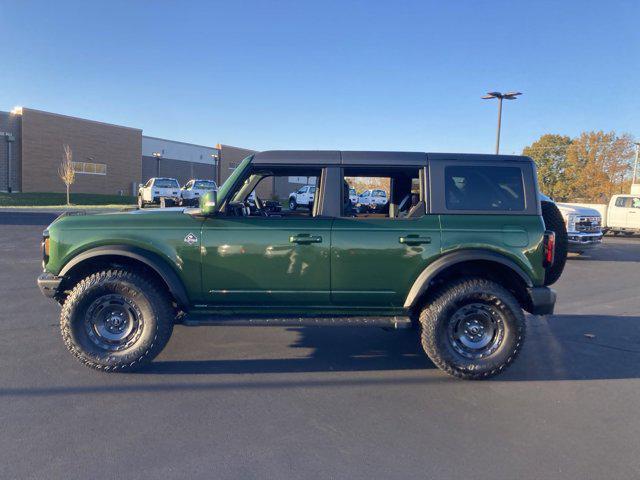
[[550, 154]]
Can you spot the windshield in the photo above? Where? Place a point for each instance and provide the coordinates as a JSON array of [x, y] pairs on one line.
[[166, 183], [223, 191], [205, 184]]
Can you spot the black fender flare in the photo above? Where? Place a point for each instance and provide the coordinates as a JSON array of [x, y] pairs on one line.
[[150, 259], [421, 283]]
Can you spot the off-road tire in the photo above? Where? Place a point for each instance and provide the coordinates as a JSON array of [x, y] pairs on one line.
[[437, 314], [553, 221], [293, 204], [156, 313]]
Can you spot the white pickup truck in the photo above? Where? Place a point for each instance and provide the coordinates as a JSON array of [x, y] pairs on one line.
[[584, 225], [622, 215]]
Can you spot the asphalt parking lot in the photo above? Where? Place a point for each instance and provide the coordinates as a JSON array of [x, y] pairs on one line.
[[271, 402]]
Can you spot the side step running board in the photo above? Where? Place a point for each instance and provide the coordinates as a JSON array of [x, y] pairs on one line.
[[396, 322]]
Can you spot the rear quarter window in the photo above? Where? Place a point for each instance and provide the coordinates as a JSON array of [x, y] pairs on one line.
[[484, 188]]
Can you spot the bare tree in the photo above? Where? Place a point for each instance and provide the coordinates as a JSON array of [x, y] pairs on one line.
[[66, 171]]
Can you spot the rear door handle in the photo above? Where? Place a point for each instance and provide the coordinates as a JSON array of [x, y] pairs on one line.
[[414, 240], [305, 238]]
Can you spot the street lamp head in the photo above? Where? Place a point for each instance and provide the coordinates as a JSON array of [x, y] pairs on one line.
[[506, 96], [511, 95]]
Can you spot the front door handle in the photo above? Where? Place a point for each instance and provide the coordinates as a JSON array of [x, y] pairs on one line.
[[305, 238], [414, 240]]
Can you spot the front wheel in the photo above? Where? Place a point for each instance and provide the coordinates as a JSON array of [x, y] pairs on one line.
[[472, 329], [115, 320], [292, 204]]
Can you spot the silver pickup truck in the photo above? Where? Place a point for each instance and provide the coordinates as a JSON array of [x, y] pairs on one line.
[[584, 226]]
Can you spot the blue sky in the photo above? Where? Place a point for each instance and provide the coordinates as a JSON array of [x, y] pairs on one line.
[[397, 75]]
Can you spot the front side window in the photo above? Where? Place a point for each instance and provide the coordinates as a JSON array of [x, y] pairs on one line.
[[263, 193], [484, 188], [621, 202]]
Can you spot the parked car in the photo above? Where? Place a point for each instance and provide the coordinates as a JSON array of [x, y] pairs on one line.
[[463, 266], [302, 197], [353, 196], [159, 190], [371, 200], [620, 216], [191, 192], [584, 226]]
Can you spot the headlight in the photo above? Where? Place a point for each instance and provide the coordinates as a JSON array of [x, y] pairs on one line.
[[570, 220], [45, 248]]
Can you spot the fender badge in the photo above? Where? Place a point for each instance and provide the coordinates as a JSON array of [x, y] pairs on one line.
[[190, 239]]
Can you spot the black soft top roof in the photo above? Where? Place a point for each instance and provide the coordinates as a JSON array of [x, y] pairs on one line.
[[336, 157]]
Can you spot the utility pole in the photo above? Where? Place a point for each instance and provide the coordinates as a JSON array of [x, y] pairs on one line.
[[500, 96]]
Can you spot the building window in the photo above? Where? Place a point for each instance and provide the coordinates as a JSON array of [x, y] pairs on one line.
[[90, 168]]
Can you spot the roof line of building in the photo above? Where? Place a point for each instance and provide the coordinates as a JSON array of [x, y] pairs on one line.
[[80, 118], [178, 141]]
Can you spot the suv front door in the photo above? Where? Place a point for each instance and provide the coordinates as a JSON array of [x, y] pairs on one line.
[[266, 261]]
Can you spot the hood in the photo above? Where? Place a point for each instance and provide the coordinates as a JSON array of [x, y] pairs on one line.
[[576, 210], [152, 217]]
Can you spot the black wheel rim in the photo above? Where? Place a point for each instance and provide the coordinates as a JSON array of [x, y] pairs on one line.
[[113, 322], [476, 330]]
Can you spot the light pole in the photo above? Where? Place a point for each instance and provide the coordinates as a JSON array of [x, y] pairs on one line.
[[500, 97], [635, 165], [158, 157]]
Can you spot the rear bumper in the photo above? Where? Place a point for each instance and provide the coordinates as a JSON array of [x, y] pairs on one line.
[[49, 284], [542, 300]]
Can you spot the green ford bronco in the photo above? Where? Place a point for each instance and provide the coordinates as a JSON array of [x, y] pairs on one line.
[[460, 250]]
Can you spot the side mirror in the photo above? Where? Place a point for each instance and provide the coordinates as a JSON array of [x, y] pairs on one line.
[[208, 202]]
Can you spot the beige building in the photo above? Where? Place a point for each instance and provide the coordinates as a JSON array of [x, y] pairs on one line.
[[108, 159]]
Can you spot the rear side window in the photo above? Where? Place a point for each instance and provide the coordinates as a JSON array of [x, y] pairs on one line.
[[485, 188]]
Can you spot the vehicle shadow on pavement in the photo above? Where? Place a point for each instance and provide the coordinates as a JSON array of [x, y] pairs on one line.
[[559, 347], [338, 349], [578, 347]]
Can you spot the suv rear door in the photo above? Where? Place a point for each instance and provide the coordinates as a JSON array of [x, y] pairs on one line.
[[376, 257]]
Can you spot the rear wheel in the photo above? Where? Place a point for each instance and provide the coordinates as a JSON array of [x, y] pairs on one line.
[[472, 329], [553, 221], [115, 320]]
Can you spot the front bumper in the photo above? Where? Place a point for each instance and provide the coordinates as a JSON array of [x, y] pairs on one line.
[[542, 300], [49, 284], [579, 242]]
